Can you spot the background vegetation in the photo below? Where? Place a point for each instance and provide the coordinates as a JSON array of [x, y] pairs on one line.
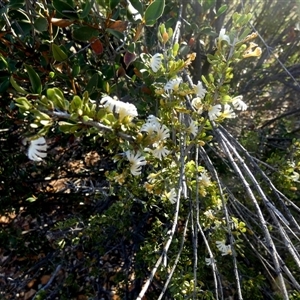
[[68, 231]]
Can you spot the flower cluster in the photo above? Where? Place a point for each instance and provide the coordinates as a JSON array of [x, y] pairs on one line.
[[155, 62], [200, 91], [158, 134], [137, 160], [225, 249], [209, 261], [121, 108], [215, 111], [37, 149], [173, 84], [172, 196]]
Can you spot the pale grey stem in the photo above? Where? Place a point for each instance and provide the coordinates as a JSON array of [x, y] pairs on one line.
[[176, 33], [164, 251], [235, 268], [268, 237], [176, 259]]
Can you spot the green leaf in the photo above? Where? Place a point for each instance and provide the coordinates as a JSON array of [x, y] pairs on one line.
[[84, 33], [57, 96], [208, 4], [31, 199], [65, 9], [221, 10], [18, 88], [119, 35], [138, 5], [4, 85], [22, 102], [34, 80], [58, 54], [41, 24], [86, 10], [4, 62], [154, 11], [92, 84]]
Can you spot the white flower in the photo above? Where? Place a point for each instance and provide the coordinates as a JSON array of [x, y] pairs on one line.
[[238, 103], [126, 110], [214, 112], [228, 112], [173, 84], [162, 132], [151, 125], [193, 128], [153, 119], [109, 103], [209, 261], [295, 176], [148, 127], [198, 105], [37, 149], [204, 178], [199, 89], [209, 214], [223, 36], [135, 14], [137, 160], [160, 151], [225, 249], [172, 196], [121, 108], [155, 62]]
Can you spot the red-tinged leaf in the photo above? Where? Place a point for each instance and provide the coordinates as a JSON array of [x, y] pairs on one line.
[[118, 25], [121, 72], [129, 58], [96, 45], [137, 73], [146, 90]]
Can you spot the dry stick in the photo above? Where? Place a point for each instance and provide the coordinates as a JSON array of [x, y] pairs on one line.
[[235, 268], [277, 193], [182, 189], [287, 242], [176, 34], [164, 251], [214, 173], [254, 201], [216, 274], [176, 260], [195, 221], [262, 259]]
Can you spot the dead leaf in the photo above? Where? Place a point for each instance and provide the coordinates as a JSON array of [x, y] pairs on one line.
[[29, 294], [44, 279], [118, 25]]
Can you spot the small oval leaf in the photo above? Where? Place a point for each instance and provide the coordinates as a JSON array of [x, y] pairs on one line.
[[65, 9], [84, 33], [154, 11], [58, 53], [41, 24], [34, 79], [18, 88]]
